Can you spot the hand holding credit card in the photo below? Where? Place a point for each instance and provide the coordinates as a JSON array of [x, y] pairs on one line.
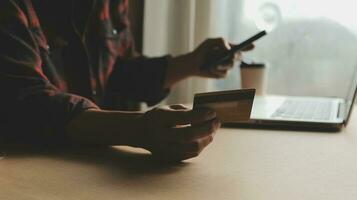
[[234, 49], [230, 106]]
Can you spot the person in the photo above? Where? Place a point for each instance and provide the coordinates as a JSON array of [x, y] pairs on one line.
[[63, 63]]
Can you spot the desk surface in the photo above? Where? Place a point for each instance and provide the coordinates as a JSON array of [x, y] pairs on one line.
[[239, 164]]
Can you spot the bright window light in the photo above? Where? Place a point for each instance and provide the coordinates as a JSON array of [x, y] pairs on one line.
[[311, 47]]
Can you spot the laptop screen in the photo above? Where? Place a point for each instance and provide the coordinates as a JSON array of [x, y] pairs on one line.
[[351, 95]]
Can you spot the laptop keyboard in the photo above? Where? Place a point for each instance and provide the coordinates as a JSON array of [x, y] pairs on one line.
[[304, 109]]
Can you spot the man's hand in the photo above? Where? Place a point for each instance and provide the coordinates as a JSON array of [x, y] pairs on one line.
[[177, 133], [172, 134], [211, 50], [191, 64]]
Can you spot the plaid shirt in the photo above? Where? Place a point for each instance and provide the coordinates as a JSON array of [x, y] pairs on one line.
[[80, 56]]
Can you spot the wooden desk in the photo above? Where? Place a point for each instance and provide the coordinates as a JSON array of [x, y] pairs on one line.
[[240, 164]]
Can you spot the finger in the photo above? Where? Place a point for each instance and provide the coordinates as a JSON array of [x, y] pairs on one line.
[[190, 150], [218, 44], [249, 48], [173, 154], [224, 66], [195, 132], [175, 157], [218, 74], [179, 152], [184, 117], [238, 55], [186, 156], [178, 107], [195, 146], [182, 151]]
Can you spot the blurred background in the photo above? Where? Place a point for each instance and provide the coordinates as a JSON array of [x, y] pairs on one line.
[[310, 49]]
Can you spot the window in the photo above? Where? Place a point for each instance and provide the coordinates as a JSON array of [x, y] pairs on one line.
[[311, 47]]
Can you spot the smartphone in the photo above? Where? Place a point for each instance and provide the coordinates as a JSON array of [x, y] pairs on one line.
[[233, 50]]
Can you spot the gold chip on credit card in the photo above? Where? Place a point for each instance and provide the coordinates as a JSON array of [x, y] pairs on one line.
[[230, 106]]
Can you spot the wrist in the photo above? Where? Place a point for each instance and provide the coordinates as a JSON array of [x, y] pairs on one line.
[[188, 63], [179, 68], [106, 128]]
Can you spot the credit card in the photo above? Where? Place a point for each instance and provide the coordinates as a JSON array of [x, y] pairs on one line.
[[230, 106]]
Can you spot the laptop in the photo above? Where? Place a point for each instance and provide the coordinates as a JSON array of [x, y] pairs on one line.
[[302, 113]]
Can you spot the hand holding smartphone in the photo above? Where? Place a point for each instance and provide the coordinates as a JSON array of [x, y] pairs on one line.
[[233, 50]]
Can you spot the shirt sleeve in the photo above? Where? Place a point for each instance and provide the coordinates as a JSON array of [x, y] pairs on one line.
[[140, 79], [32, 109], [135, 77]]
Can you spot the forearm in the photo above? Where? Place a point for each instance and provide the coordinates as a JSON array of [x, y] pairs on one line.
[[107, 128], [178, 69], [140, 79]]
